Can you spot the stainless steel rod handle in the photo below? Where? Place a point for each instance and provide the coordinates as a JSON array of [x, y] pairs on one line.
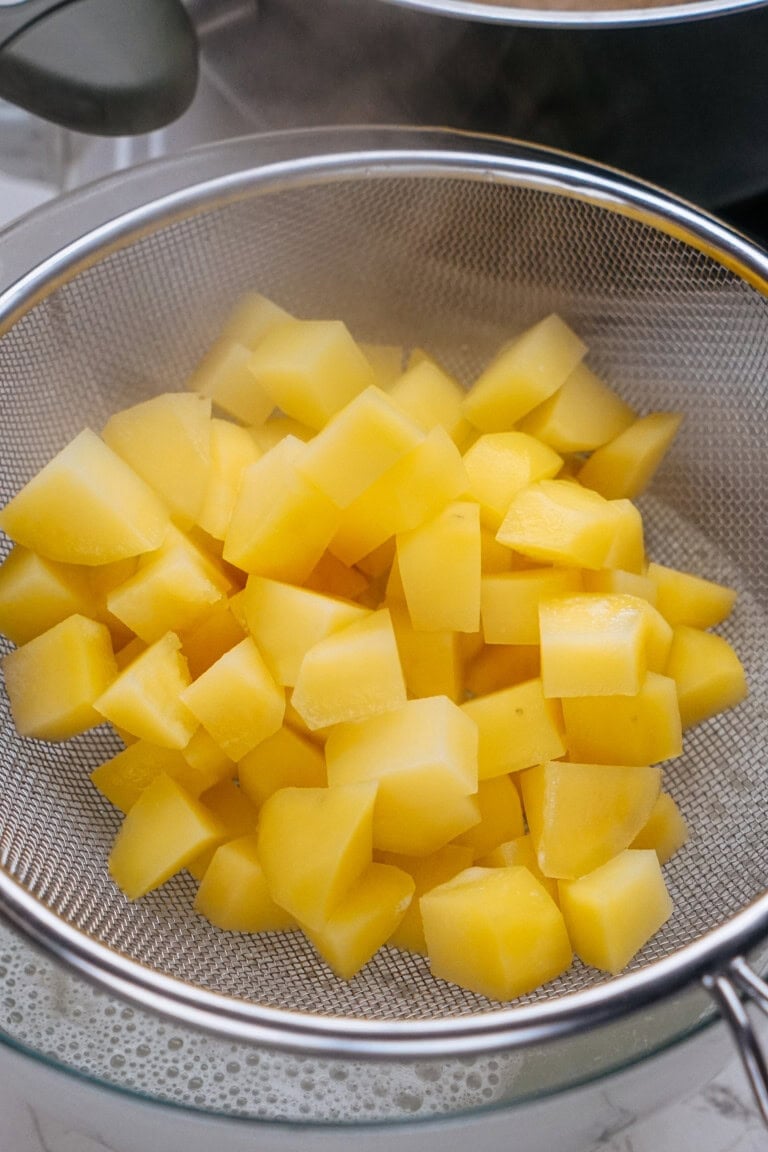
[[732, 988]]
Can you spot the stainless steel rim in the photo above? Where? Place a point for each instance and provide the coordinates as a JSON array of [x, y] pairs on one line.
[[581, 18], [172, 190]]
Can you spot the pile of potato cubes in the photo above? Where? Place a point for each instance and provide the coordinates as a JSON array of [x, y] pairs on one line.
[[388, 658]]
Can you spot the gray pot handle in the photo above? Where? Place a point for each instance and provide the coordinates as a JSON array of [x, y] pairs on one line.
[[732, 988]]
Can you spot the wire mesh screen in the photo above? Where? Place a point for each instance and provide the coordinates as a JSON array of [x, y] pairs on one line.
[[455, 265]]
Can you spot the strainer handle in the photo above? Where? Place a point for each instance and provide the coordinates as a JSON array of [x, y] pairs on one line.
[[730, 988]]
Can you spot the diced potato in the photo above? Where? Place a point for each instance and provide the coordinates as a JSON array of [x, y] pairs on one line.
[[593, 644], [517, 727], [426, 872], [351, 674], [640, 729], [275, 429], [665, 830], [36, 593], [709, 676], [501, 816], [232, 450], [224, 373], [145, 700], [363, 920], [612, 912], [432, 398], [583, 414], [495, 557], [164, 830], [431, 661], [619, 580], [284, 760], [357, 445], [386, 361], [684, 598], [499, 464], [281, 523], [102, 578], [314, 844], [559, 522], [235, 812], [628, 547], [124, 777], [499, 666], [422, 754], [580, 815], [172, 592], [54, 680], [334, 578], [521, 852], [311, 369], [523, 374], [408, 494], [286, 621], [118, 514], [237, 700], [625, 466], [509, 601], [208, 760], [495, 931], [440, 569], [233, 893], [211, 636], [167, 441]]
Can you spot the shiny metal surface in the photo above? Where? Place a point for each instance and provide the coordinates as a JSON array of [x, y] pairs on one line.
[[602, 13]]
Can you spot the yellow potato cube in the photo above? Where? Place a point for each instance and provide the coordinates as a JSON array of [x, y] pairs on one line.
[[628, 547], [523, 374], [495, 931], [625, 466], [432, 398], [409, 493], [224, 374], [386, 361], [422, 754], [275, 429], [517, 727], [124, 777], [495, 557], [559, 522], [237, 700], [167, 441], [281, 523], [102, 578], [53, 680], [709, 676], [232, 450], [426, 872], [520, 852], [583, 414], [286, 621], [501, 816], [612, 912], [311, 369], [499, 666], [431, 661], [333, 578], [509, 601], [357, 445], [684, 598], [172, 592], [233, 893], [164, 830], [145, 700], [211, 636], [665, 830], [314, 844], [209, 761], [580, 815], [619, 580], [86, 506], [439, 566], [640, 729], [36, 593], [499, 464], [593, 644], [363, 920], [284, 760], [351, 674], [235, 812]]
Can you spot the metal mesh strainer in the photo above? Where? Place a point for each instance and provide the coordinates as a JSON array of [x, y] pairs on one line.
[[451, 243]]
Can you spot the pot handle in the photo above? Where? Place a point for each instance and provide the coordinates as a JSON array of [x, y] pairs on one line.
[[729, 988]]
